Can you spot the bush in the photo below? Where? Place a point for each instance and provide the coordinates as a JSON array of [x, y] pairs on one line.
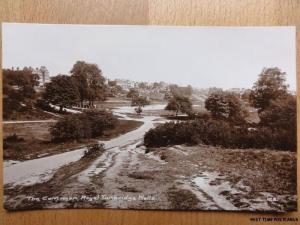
[[88, 124], [71, 127], [100, 120], [92, 150], [11, 140], [44, 105], [219, 133]]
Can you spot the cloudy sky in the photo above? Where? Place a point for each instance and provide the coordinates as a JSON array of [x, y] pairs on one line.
[[223, 57]]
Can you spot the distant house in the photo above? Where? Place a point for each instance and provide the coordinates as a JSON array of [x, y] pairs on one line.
[[125, 84]]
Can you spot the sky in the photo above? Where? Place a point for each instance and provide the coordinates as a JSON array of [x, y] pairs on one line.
[[203, 57]]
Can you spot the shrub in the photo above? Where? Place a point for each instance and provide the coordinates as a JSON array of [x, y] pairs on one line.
[[93, 149], [218, 133], [11, 140], [71, 127], [100, 120], [44, 105], [88, 124]]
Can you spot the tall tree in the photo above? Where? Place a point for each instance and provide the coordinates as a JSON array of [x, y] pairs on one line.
[[90, 82], [269, 86], [18, 90], [61, 91]]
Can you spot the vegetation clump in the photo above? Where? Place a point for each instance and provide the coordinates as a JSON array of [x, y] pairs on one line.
[[226, 125], [89, 124], [93, 150]]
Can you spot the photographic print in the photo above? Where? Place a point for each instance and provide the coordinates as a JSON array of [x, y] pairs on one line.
[[149, 117]]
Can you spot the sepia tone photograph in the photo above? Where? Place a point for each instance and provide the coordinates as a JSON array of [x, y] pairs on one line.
[[149, 117]]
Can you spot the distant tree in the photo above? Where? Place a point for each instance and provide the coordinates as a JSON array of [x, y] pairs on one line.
[[61, 91], [142, 85], [132, 93], [175, 90], [245, 96], [112, 83], [225, 105], [139, 101], [90, 82], [156, 85], [114, 89], [179, 103], [269, 86], [138, 110]]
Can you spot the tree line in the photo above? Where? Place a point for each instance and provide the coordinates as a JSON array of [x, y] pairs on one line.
[[82, 87], [85, 84], [226, 124]]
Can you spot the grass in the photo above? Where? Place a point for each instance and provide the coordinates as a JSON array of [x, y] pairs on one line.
[[37, 140], [181, 199], [141, 176], [33, 114]]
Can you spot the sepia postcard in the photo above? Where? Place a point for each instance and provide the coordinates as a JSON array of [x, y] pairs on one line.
[[149, 117]]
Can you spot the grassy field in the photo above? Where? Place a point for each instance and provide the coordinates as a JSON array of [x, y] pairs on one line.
[[35, 139], [33, 114]]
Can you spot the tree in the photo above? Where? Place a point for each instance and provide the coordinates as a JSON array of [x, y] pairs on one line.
[[90, 82], [139, 101], [269, 86], [61, 91], [114, 89], [179, 103], [18, 90], [176, 90], [132, 93], [112, 83], [44, 74], [138, 110], [225, 105], [280, 114], [142, 85]]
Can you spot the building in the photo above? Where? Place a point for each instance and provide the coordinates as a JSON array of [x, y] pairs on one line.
[[125, 84]]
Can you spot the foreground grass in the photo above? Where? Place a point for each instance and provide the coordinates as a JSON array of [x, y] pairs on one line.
[[37, 140], [253, 172]]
